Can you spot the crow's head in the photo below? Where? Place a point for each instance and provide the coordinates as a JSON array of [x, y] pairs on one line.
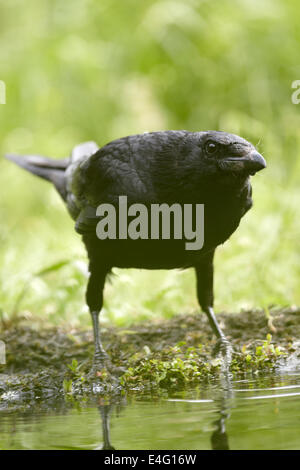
[[230, 154]]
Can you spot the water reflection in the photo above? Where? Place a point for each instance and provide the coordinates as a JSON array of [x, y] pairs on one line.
[[105, 411], [253, 413], [219, 438], [224, 397]]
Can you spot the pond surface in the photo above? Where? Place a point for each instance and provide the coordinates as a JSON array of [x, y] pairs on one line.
[[258, 413]]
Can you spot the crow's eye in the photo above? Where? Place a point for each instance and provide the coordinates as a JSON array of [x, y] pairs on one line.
[[211, 147]]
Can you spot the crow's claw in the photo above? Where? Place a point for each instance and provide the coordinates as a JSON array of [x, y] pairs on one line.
[[102, 361]]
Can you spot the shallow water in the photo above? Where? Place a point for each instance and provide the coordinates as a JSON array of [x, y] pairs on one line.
[[257, 413]]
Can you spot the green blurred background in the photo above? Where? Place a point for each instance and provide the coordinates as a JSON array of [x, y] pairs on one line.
[[99, 70]]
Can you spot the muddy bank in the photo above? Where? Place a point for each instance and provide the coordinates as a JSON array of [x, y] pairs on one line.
[[47, 363]]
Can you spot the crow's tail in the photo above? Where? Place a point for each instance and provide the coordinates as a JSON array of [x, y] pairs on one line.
[[47, 168]]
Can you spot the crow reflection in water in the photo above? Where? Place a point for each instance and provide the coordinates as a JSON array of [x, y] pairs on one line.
[[219, 438], [210, 168]]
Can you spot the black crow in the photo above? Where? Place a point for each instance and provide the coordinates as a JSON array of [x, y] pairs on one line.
[[172, 167]]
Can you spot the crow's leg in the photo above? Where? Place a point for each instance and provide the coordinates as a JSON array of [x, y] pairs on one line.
[[94, 298], [205, 275]]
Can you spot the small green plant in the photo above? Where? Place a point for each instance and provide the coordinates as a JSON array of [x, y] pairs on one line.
[[174, 366], [258, 357], [67, 385], [73, 366], [180, 365]]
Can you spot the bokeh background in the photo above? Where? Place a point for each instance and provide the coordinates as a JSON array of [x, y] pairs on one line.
[[99, 70]]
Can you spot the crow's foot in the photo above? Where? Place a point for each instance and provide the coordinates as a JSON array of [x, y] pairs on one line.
[[102, 362], [224, 350]]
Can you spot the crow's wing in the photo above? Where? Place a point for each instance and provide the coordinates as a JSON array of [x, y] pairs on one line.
[[79, 154], [125, 167]]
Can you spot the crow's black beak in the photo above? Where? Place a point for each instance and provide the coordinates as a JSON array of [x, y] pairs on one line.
[[255, 162], [252, 163]]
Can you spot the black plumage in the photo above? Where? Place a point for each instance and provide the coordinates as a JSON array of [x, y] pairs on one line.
[[210, 168]]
